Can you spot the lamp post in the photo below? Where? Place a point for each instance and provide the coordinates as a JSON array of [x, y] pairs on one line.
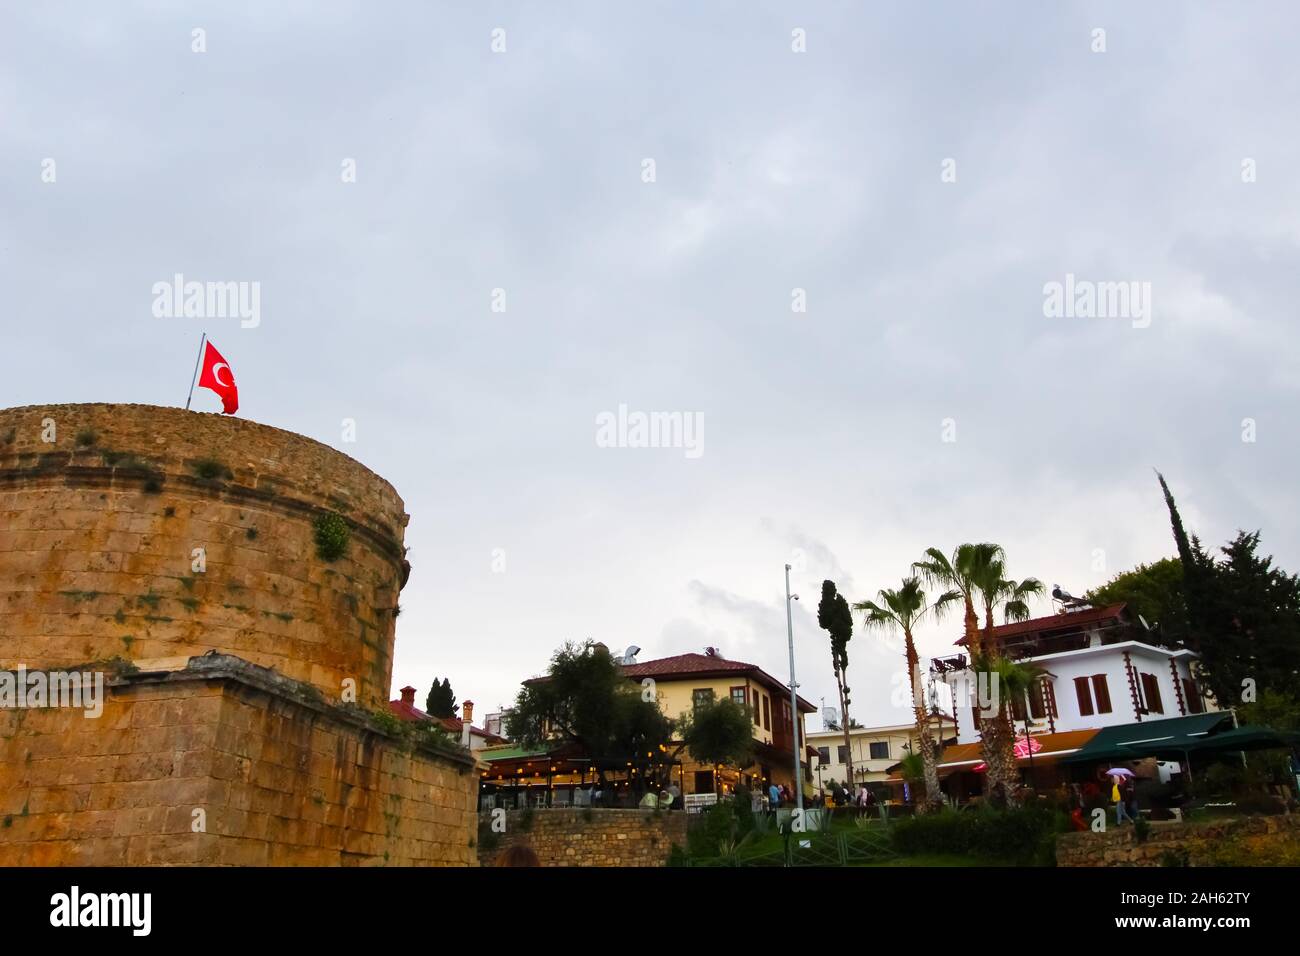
[[794, 698]]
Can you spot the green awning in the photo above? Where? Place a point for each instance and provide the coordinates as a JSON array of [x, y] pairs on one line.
[[1248, 737], [1149, 738]]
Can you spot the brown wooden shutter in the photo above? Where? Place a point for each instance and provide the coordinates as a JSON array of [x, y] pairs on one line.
[[1193, 695], [1036, 702], [1085, 696], [1102, 690], [1151, 691]]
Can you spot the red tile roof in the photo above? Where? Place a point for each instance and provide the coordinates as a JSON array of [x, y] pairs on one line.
[[1055, 622], [451, 724], [705, 665]]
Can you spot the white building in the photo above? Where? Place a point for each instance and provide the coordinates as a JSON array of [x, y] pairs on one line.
[[875, 750], [1100, 669]]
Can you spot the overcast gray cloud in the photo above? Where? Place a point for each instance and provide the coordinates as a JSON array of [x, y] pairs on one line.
[[774, 171]]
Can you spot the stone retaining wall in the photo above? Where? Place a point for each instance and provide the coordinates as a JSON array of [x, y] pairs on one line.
[[1236, 841], [594, 837], [226, 763]]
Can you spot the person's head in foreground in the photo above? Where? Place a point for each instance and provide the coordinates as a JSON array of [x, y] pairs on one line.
[[519, 856]]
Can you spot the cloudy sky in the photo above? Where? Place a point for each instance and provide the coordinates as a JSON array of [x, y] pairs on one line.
[[919, 171]]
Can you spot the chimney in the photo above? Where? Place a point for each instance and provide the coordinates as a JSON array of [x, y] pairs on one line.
[[408, 696], [466, 722]]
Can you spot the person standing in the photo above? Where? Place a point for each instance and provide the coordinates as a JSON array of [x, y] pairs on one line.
[[1117, 797], [774, 795]]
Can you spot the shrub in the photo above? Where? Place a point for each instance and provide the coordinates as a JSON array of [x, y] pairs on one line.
[[715, 825], [209, 469], [86, 437], [1024, 836], [331, 537]]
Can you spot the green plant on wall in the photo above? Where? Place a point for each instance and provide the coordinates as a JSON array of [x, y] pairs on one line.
[[209, 469], [331, 537]]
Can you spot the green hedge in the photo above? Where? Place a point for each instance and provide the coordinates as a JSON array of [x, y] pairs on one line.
[[1025, 836]]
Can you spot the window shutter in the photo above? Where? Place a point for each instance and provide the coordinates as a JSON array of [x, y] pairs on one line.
[[1193, 696], [1036, 702], [1018, 706], [1151, 691], [1084, 695], [1102, 690]]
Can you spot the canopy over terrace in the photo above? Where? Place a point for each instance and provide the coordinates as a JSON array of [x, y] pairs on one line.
[[1150, 738], [1052, 749], [553, 775], [1182, 737]]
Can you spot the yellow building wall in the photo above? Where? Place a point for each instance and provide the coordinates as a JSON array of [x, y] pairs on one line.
[[675, 697]]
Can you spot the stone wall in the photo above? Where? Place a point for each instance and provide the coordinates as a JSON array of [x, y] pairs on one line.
[[595, 837], [280, 778], [1234, 841], [98, 530]]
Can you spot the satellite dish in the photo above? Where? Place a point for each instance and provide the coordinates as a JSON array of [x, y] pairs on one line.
[[629, 655]]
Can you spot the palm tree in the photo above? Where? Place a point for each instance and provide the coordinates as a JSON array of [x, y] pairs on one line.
[[903, 609], [993, 589], [960, 573]]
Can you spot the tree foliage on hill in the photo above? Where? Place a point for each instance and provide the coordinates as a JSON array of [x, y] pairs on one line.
[[1243, 614], [1154, 591], [441, 701]]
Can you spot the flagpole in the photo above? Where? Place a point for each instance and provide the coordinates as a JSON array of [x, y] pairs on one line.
[[199, 358]]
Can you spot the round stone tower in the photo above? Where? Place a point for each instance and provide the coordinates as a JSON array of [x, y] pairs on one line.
[[138, 532]]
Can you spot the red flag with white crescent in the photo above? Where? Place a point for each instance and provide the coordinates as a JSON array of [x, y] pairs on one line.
[[218, 377]]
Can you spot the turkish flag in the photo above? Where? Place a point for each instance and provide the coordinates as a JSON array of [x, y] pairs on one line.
[[218, 377]]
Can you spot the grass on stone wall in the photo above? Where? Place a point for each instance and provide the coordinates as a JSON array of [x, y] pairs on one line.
[[332, 536], [209, 469]]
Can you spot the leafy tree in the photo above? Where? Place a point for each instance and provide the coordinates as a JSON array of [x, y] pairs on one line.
[[903, 609], [441, 701], [586, 699], [1243, 614], [1154, 591], [834, 617], [718, 732]]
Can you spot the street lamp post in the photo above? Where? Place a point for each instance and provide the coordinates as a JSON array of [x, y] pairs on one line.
[[794, 698]]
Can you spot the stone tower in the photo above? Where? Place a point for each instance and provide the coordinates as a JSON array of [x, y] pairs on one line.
[[143, 533], [238, 585]]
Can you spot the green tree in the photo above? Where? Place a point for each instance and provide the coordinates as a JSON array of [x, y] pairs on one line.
[[903, 609], [959, 573], [717, 732], [834, 617], [1154, 591], [1243, 615], [441, 701], [586, 699], [994, 590]]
